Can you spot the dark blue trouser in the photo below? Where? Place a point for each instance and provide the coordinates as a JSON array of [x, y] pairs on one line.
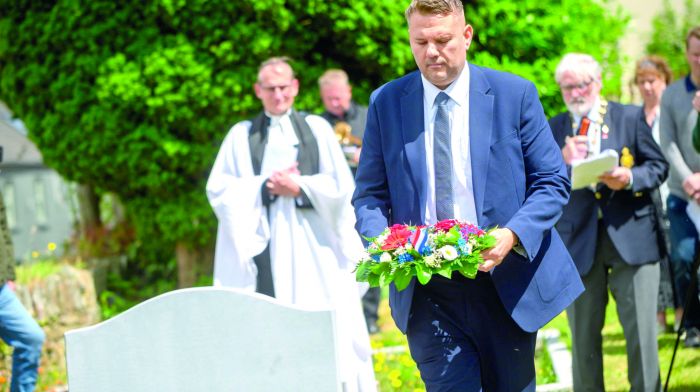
[[462, 338], [684, 240]]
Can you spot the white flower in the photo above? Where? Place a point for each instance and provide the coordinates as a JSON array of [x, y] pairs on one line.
[[468, 248], [399, 251], [366, 256], [385, 257], [448, 252], [431, 261]]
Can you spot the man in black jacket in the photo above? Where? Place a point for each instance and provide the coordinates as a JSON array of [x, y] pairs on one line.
[[610, 227]]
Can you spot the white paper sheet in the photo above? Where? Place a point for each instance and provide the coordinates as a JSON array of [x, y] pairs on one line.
[[585, 172]]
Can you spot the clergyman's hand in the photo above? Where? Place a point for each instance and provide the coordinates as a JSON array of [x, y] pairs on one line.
[[505, 241], [281, 183]]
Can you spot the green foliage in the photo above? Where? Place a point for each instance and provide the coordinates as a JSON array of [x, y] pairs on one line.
[[135, 97], [669, 29], [37, 269], [529, 38], [148, 280]]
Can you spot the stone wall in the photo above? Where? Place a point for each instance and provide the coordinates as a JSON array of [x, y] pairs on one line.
[[62, 301]]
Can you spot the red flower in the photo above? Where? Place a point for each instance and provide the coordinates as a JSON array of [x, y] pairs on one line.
[[446, 225], [398, 236]]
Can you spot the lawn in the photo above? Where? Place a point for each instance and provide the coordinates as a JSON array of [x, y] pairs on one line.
[[397, 372]]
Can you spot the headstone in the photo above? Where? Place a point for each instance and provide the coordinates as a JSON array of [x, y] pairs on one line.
[[206, 339]]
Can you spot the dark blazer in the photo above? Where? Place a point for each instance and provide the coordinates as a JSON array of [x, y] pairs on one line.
[[629, 216], [519, 182]]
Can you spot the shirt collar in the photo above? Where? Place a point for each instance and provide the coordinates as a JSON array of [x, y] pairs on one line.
[[689, 86], [458, 90]]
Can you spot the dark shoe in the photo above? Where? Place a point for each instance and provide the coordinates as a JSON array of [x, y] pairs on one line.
[[692, 338]]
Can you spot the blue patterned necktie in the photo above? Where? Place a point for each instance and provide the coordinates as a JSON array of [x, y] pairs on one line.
[[442, 157]]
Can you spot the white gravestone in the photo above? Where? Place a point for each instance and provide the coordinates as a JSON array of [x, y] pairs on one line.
[[206, 339]]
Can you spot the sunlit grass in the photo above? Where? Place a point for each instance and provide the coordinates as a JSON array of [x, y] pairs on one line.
[[686, 369]]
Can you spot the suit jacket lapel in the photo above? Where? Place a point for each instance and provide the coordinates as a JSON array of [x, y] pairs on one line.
[[480, 130], [610, 142], [413, 128]]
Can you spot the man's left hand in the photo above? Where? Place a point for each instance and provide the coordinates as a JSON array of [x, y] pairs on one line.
[[505, 240], [616, 179]]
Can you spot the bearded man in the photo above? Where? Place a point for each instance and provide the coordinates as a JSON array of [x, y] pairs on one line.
[[610, 228]]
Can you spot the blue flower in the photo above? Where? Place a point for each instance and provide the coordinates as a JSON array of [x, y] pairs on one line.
[[426, 251], [376, 257], [404, 257]]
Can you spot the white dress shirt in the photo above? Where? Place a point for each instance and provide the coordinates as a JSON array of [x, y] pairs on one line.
[[458, 109], [594, 129]]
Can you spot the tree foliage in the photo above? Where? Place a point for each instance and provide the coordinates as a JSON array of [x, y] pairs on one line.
[[529, 37], [669, 29], [135, 97]]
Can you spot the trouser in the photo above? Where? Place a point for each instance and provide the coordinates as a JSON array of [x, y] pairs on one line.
[[463, 339], [370, 306], [684, 238], [19, 330], [635, 289]]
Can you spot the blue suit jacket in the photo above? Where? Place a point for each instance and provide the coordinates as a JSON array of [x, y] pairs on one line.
[[519, 182], [628, 215]]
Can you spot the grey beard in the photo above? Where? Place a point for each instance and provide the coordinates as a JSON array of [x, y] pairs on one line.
[[579, 109]]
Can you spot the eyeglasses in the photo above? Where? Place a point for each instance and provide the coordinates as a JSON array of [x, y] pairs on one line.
[[567, 88]]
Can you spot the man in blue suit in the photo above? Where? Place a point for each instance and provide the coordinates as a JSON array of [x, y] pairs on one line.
[[457, 141], [610, 228]]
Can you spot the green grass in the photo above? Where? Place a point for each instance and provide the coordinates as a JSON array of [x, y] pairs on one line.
[[38, 270], [685, 376], [398, 372], [686, 369]]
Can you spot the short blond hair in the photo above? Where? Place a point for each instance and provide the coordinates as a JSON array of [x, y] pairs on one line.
[[434, 7], [333, 75], [274, 61]]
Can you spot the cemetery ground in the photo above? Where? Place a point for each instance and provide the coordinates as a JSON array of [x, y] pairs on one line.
[[395, 370]]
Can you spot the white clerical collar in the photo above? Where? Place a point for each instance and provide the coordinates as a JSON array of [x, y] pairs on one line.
[[275, 119], [458, 90], [593, 114]]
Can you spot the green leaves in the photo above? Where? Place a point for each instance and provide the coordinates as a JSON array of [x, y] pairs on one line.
[[136, 97], [529, 37], [402, 278], [422, 274]]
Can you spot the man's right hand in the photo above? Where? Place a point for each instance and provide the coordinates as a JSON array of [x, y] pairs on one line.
[[691, 186], [576, 147]]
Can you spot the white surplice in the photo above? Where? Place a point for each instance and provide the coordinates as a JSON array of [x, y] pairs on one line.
[[313, 250]]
